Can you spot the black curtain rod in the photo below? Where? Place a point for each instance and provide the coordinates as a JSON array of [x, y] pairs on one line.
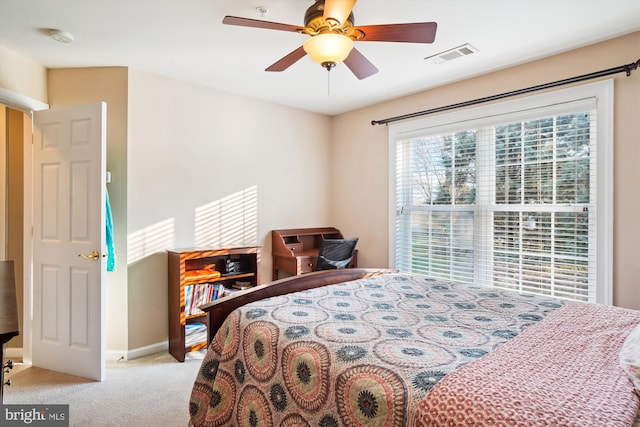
[[626, 68]]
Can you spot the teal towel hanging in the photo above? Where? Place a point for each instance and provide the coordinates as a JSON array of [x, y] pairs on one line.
[[111, 251]]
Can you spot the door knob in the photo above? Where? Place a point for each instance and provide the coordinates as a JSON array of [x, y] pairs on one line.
[[93, 255]]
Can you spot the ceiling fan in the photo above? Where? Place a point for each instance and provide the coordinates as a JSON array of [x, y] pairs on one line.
[[330, 25]]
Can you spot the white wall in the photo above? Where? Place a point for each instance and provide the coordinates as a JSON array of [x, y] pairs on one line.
[[22, 76], [204, 165]]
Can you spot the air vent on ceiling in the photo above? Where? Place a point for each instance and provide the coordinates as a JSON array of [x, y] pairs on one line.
[[448, 55]]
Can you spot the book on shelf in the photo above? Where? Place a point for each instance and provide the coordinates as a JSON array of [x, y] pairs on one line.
[[197, 295], [194, 333]]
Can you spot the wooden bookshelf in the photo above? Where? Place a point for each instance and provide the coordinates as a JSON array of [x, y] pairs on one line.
[[239, 264]]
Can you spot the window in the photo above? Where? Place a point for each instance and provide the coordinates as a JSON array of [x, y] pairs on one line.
[[516, 195]]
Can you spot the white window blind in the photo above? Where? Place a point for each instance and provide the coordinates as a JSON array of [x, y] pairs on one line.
[[506, 198]]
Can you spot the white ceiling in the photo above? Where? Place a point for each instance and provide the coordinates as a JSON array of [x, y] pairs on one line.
[[185, 39]]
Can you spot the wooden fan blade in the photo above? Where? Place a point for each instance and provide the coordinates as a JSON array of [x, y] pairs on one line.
[[288, 60], [359, 65], [419, 32], [338, 9], [256, 23]]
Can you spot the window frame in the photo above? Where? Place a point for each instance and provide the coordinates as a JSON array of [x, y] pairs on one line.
[[519, 108]]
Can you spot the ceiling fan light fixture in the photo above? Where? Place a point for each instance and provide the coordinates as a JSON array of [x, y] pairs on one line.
[[329, 48]]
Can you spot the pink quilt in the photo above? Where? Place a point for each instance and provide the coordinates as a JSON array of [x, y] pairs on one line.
[[537, 379]]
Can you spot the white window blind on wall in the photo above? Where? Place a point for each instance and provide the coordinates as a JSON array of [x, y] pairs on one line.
[[507, 196]]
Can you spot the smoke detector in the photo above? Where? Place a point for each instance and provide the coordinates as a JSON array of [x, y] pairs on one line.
[[451, 54], [61, 36]]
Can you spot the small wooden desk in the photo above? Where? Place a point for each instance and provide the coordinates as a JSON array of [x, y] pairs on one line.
[[295, 250], [9, 326]]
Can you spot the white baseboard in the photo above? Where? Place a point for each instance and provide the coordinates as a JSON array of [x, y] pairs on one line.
[[115, 355], [110, 356], [146, 350], [13, 353]]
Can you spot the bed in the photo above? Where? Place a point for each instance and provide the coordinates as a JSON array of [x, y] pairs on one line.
[[362, 347]]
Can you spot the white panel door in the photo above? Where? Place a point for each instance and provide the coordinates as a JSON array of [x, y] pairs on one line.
[[69, 150]]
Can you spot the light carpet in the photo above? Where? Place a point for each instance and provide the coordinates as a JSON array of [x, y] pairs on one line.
[[148, 391]]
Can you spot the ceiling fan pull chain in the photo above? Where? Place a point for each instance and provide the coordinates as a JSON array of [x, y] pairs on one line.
[[329, 82]]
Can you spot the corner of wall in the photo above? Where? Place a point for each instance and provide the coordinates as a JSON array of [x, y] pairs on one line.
[[23, 76]]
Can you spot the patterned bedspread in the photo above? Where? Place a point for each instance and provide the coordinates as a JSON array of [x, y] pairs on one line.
[[361, 353], [561, 372]]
